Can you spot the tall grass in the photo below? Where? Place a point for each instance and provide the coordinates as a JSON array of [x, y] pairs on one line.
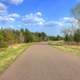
[[9, 55]]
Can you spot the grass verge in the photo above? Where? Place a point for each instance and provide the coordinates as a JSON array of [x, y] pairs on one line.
[[10, 54], [72, 49]]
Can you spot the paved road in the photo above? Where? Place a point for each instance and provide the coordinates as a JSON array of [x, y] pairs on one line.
[[42, 62]]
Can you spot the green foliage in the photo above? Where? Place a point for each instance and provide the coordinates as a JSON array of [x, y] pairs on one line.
[[77, 36], [3, 45], [55, 38], [68, 38], [28, 37], [1, 36], [11, 36], [40, 36]]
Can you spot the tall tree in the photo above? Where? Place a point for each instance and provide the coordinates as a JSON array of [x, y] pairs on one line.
[[77, 36], [76, 11], [28, 37]]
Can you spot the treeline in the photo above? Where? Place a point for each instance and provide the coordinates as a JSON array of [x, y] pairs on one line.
[[55, 38], [72, 36], [12, 36]]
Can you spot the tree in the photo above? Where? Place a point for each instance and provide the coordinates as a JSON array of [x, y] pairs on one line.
[[22, 35], [12, 36], [43, 36], [1, 36], [68, 35], [28, 37], [8, 36], [77, 36], [76, 11]]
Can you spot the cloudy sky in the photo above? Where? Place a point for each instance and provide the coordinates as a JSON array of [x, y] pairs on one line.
[[49, 16]]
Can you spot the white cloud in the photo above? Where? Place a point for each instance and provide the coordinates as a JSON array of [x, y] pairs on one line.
[[33, 19], [63, 22], [51, 24], [37, 19], [66, 22], [69, 19], [69, 22], [14, 15], [6, 19], [3, 8], [39, 14], [9, 18], [16, 2]]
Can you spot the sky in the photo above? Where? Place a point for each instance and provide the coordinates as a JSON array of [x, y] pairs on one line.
[[49, 16]]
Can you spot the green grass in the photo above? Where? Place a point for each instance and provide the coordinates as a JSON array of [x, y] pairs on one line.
[[72, 49], [10, 54]]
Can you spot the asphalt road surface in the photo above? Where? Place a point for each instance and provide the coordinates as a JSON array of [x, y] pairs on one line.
[[42, 62]]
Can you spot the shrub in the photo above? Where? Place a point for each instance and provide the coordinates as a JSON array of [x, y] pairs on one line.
[[3, 44]]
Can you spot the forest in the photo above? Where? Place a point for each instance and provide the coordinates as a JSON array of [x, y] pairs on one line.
[[12, 36]]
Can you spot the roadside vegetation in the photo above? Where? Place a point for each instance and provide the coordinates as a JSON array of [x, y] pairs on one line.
[[8, 55], [70, 41], [69, 48], [11, 36], [14, 42]]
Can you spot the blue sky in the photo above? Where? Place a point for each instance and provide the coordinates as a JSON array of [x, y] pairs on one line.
[[49, 16]]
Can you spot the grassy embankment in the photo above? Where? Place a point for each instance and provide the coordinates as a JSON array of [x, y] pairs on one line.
[[8, 55], [72, 49]]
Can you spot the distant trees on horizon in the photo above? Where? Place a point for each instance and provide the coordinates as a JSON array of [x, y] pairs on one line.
[[12, 36]]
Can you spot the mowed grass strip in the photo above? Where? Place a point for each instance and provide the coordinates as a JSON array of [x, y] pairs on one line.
[[72, 49], [10, 54]]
